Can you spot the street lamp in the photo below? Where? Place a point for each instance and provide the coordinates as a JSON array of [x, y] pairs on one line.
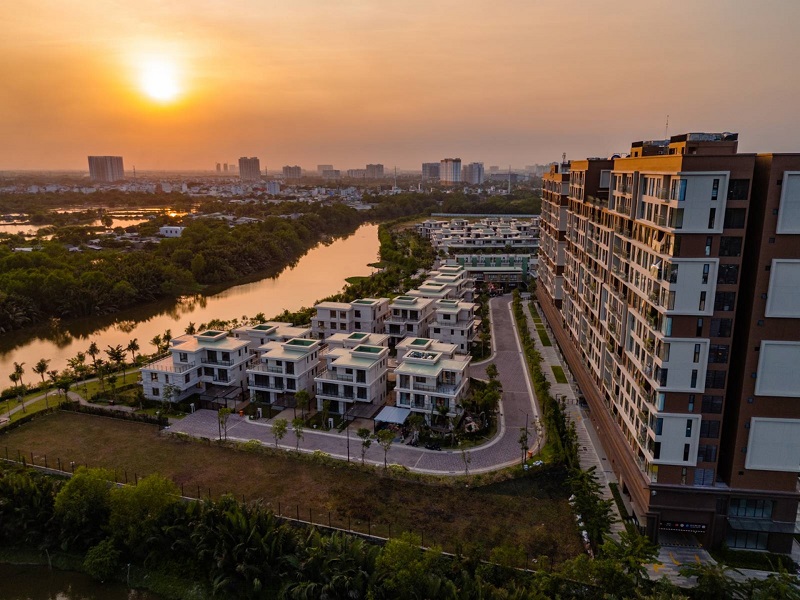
[[158, 420]]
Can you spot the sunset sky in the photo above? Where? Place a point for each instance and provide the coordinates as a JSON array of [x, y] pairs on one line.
[[182, 85]]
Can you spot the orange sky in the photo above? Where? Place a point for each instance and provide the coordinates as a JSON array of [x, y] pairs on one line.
[[399, 82]]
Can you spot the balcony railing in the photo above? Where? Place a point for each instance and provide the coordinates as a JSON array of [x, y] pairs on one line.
[[167, 366], [217, 361], [262, 368]]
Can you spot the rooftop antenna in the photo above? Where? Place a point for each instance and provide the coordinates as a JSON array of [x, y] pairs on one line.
[[563, 158], [666, 129]]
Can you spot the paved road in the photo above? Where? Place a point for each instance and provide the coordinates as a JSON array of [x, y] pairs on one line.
[[518, 407]]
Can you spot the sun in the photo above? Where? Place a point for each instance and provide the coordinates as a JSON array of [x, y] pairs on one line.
[[159, 80]]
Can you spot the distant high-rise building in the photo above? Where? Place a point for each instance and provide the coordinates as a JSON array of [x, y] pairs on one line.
[[450, 170], [473, 173], [294, 172], [494, 169], [322, 168], [106, 168], [375, 171], [331, 174], [273, 187], [430, 171], [357, 173], [225, 167], [249, 169], [219, 167]]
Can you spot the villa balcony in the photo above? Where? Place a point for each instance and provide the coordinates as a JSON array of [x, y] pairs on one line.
[[217, 361], [166, 365], [262, 368]]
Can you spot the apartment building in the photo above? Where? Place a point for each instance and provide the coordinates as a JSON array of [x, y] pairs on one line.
[[270, 331], [500, 270], [671, 332], [450, 171], [196, 362], [553, 231], [365, 314], [408, 316], [489, 233], [283, 369], [249, 168], [454, 323], [431, 384], [353, 376]]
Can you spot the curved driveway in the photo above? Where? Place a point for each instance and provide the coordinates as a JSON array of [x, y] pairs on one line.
[[518, 406]]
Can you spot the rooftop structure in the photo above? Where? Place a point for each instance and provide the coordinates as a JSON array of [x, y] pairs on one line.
[[283, 369]]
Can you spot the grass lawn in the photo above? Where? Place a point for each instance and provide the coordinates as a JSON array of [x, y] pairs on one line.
[[532, 512], [30, 407], [559, 374], [543, 335]]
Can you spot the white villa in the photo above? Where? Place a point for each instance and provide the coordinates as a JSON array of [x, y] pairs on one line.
[[196, 362], [365, 314], [271, 331], [455, 323], [283, 369], [491, 232], [351, 340], [409, 316], [431, 384], [352, 376]]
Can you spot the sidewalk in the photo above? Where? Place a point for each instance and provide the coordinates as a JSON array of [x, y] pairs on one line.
[[590, 451]]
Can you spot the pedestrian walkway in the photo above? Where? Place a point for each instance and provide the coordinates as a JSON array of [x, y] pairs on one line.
[[590, 451]]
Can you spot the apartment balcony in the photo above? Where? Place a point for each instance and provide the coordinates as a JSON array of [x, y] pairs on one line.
[[268, 386], [217, 361], [167, 366], [336, 376], [262, 368], [447, 389], [339, 396]]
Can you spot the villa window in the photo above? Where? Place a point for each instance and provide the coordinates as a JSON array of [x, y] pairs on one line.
[[183, 357], [153, 376], [156, 392]]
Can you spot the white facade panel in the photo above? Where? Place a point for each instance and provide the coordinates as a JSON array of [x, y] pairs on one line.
[[695, 277], [688, 359], [700, 199], [774, 445], [783, 298], [677, 431], [778, 372], [789, 211]]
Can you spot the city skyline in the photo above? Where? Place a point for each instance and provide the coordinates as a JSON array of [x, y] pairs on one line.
[[176, 87]]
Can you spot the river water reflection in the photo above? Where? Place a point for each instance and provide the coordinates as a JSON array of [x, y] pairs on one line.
[[321, 272], [23, 582]]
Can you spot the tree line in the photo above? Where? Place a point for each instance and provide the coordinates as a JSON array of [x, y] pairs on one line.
[[231, 549]]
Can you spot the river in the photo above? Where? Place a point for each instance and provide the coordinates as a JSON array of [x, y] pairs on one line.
[[319, 273], [22, 582]]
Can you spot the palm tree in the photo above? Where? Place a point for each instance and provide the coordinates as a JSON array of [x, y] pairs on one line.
[[40, 368], [116, 354], [166, 339], [20, 371], [156, 341], [93, 351], [190, 328], [53, 377], [133, 348], [100, 368], [14, 377]]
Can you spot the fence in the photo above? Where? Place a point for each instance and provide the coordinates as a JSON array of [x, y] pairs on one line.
[[292, 513]]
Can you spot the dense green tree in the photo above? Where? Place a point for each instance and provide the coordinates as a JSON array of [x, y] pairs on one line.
[[82, 507]]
